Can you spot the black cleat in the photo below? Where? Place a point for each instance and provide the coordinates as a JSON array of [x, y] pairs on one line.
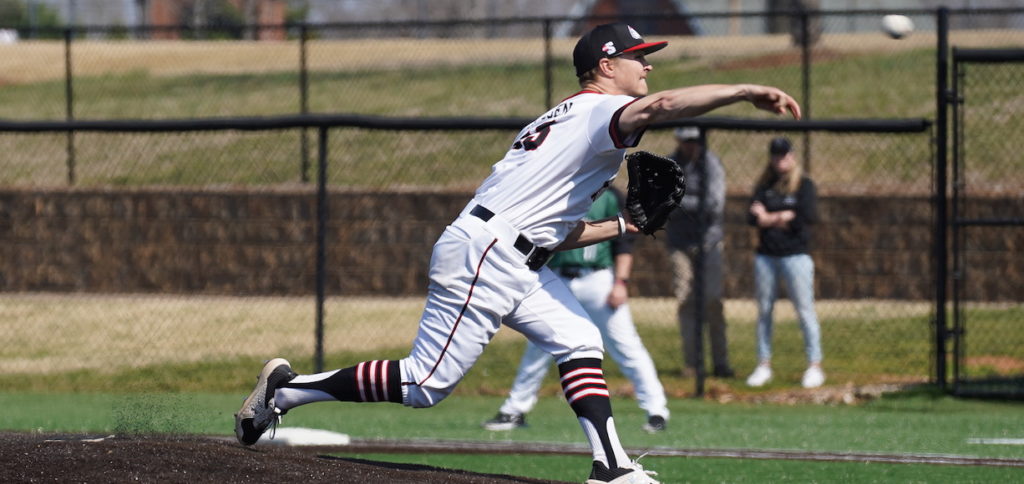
[[504, 421], [258, 411], [655, 424]]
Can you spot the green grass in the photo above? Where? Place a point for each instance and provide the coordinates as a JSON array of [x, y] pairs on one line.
[[713, 470], [917, 423], [860, 362], [842, 87], [213, 344], [863, 343]]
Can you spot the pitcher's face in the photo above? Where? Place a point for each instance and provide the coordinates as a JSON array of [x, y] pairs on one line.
[[631, 71]]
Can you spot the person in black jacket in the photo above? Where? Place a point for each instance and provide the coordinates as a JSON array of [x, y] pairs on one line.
[[784, 208]]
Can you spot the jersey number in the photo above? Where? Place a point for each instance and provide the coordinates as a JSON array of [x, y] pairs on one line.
[[532, 141]]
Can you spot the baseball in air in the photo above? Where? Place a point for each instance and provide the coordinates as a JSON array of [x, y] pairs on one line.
[[897, 26]]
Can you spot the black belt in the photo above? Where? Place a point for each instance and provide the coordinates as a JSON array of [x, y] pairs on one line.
[[572, 272], [536, 257]]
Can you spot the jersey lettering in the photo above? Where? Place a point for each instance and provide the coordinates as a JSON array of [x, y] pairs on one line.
[[532, 141]]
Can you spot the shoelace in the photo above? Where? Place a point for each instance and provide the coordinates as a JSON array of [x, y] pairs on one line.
[[636, 465], [277, 420]]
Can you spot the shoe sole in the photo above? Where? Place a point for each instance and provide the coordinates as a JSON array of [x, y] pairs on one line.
[[631, 478], [501, 427], [244, 427]]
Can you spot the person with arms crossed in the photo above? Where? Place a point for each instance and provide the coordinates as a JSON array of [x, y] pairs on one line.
[[695, 230], [488, 268], [783, 208], [598, 275]]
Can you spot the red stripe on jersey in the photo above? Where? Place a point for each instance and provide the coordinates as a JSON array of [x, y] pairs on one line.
[[585, 91], [458, 320], [613, 129]]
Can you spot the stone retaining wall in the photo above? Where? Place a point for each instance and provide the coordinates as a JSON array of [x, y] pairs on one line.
[[226, 241]]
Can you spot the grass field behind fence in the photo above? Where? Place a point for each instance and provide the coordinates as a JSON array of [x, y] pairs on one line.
[[191, 343], [57, 343], [159, 80]]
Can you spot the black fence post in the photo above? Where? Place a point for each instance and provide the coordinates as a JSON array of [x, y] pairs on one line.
[[548, 66], [321, 248], [806, 53], [69, 103], [699, 278], [303, 103], [941, 215]]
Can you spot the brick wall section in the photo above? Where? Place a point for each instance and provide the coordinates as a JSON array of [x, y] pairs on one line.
[[225, 241], [863, 248]]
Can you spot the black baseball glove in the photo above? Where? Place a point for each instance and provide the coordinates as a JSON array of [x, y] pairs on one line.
[[655, 189]]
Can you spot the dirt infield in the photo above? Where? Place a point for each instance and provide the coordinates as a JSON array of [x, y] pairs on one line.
[[31, 457], [27, 457]]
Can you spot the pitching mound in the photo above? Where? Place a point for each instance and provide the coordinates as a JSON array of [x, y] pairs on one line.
[[28, 457]]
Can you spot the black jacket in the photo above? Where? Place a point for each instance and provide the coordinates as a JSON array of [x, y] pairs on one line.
[[795, 239]]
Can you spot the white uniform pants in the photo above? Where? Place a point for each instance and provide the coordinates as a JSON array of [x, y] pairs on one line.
[[620, 337], [478, 281]]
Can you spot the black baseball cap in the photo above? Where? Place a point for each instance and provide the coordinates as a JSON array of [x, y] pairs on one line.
[[780, 146], [609, 40]]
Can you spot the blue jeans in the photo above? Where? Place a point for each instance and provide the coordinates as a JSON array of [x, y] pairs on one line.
[[798, 272]]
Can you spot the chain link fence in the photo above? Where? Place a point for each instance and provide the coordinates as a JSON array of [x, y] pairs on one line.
[[987, 223], [172, 250]]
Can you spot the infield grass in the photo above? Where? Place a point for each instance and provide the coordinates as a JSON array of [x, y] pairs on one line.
[[704, 470]]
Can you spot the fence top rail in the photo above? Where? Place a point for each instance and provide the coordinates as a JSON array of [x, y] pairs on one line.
[[988, 55], [912, 125]]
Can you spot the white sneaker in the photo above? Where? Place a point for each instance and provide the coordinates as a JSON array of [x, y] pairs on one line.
[[813, 377], [634, 473], [258, 411], [761, 375]]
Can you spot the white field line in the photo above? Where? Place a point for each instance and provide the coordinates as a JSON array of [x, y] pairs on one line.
[[995, 441], [457, 446]]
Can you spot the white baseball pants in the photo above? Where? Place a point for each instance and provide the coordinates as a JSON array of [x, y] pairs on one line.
[[479, 281], [622, 341]]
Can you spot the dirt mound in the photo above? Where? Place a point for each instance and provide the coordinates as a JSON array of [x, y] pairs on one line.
[[29, 457]]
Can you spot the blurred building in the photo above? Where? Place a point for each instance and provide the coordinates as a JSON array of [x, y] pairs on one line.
[[215, 14], [131, 13], [171, 13]]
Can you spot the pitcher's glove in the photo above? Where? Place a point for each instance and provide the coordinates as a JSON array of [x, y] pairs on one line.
[[655, 189]]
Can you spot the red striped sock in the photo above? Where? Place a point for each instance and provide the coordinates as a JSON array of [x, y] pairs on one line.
[[369, 381], [587, 393]]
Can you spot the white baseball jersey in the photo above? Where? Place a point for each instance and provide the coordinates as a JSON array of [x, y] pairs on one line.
[[558, 166], [479, 278]]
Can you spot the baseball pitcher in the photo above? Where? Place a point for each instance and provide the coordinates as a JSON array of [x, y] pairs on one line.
[[488, 267]]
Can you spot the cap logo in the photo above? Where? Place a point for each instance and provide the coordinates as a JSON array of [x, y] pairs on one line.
[[609, 48], [633, 33]]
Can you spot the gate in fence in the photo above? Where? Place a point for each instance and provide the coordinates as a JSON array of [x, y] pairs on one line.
[[988, 320]]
